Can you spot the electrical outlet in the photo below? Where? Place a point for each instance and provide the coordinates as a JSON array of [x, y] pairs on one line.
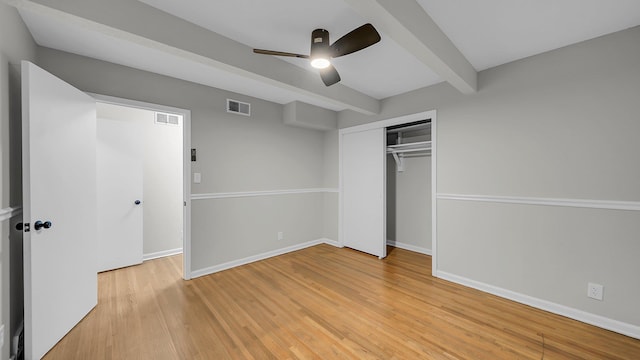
[[280, 236], [595, 291], [1, 336]]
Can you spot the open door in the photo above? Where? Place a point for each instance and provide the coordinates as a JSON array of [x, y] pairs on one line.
[[59, 208], [363, 169]]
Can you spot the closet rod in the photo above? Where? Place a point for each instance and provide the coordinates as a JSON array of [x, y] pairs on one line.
[[421, 144], [393, 151]]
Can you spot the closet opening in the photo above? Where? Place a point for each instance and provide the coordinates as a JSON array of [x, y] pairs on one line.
[[408, 186], [387, 185]]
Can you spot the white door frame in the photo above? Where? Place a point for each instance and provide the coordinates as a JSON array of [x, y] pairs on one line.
[[186, 169], [431, 114]]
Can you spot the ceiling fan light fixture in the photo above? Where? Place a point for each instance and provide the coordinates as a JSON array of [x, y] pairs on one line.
[[320, 63], [322, 52]]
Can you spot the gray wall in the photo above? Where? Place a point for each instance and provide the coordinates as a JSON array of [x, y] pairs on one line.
[[237, 228], [409, 202], [235, 154], [563, 124], [162, 177], [330, 171], [15, 44]]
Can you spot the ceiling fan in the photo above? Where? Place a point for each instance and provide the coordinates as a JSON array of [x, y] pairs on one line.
[[356, 40]]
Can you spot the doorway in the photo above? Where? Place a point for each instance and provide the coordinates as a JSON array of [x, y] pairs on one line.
[[162, 136]]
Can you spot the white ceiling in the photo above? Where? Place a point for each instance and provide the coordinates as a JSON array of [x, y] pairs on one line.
[[494, 32], [488, 33], [380, 71]]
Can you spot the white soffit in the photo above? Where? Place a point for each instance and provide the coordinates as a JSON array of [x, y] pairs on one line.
[[494, 32], [382, 70]]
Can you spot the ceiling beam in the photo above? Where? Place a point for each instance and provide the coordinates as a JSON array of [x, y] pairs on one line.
[[411, 27], [144, 25]]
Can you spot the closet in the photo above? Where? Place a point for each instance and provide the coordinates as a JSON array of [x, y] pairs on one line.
[[408, 187], [386, 184]]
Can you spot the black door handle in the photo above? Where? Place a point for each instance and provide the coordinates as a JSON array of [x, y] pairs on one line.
[[39, 225], [137, 202]]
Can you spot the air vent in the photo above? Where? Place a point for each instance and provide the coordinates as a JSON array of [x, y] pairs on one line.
[[238, 107], [167, 119]]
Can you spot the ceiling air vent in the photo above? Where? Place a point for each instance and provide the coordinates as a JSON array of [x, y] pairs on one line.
[[167, 119], [238, 107]]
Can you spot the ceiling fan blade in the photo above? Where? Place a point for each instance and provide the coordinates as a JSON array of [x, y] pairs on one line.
[[358, 39], [279, 53], [329, 75]]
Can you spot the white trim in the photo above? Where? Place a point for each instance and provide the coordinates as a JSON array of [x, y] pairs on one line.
[[331, 242], [9, 212], [580, 203], [186, 196], [186, 162], [240, 194], [434, 191], [340, 194], [583, 316], [405, 246], [161, 254], [431, 114], [258, 257], [113, 100]]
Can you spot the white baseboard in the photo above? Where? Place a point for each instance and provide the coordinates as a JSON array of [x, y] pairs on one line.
[[583, 316], [418, 249], [160, 254], [258, 257], [332, 242]]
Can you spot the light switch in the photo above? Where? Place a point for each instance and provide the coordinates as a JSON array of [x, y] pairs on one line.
[[197, 178]]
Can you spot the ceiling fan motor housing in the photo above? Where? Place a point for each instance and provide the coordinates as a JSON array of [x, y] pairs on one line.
[[320, 44]]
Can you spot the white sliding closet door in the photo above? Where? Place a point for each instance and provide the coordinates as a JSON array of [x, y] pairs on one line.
[[363, 169]]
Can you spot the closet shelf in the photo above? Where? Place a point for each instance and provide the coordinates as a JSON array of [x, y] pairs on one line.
[[398, 150]]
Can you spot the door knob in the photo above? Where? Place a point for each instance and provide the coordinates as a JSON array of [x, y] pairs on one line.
[[137, 202], [39, 225]]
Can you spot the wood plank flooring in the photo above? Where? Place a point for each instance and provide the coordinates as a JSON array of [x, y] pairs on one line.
[[321, 303]]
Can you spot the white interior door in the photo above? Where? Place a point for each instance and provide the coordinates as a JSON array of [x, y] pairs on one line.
[[120, 159], [363, 169], [59, 186]]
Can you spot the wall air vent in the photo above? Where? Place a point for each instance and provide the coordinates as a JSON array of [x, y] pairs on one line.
[[238, 107], [167, 119]]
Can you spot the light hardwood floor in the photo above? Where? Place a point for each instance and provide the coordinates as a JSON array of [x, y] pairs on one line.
[[321, 303]]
